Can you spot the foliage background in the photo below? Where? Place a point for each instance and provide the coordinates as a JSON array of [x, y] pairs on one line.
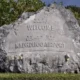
[[10, 10], [76, 11]]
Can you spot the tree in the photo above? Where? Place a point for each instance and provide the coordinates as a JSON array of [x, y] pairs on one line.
[[76, 11], [10, 10]]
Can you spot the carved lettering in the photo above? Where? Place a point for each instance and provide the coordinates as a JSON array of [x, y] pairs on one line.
[[37, 27], [35, 44]]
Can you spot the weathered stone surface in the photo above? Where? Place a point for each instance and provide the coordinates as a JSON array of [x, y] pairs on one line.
[[45, 42], [2, 60]]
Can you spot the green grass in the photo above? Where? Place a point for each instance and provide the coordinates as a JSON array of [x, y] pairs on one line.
[[15, 76]]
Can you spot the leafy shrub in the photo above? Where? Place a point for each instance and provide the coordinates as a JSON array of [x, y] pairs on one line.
[[10, 10], [76, 11]]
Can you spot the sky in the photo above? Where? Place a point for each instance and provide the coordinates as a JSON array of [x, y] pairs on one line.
[[65, 2]]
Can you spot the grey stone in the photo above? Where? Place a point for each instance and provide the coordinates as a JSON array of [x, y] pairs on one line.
[[2, 60], [45, 42], [79, 21], [25, 15]]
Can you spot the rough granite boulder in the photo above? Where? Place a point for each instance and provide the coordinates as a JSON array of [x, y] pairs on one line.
[[46, 42]]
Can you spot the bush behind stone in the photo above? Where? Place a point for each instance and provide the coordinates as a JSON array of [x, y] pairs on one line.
[[10, 10]]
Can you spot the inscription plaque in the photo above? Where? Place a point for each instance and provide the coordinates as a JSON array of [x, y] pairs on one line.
[[43, 43], [36, 35]]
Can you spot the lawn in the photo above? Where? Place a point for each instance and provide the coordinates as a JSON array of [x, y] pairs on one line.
[[23, 76]]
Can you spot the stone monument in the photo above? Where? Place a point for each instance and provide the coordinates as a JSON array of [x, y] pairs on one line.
[[46, 42]]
